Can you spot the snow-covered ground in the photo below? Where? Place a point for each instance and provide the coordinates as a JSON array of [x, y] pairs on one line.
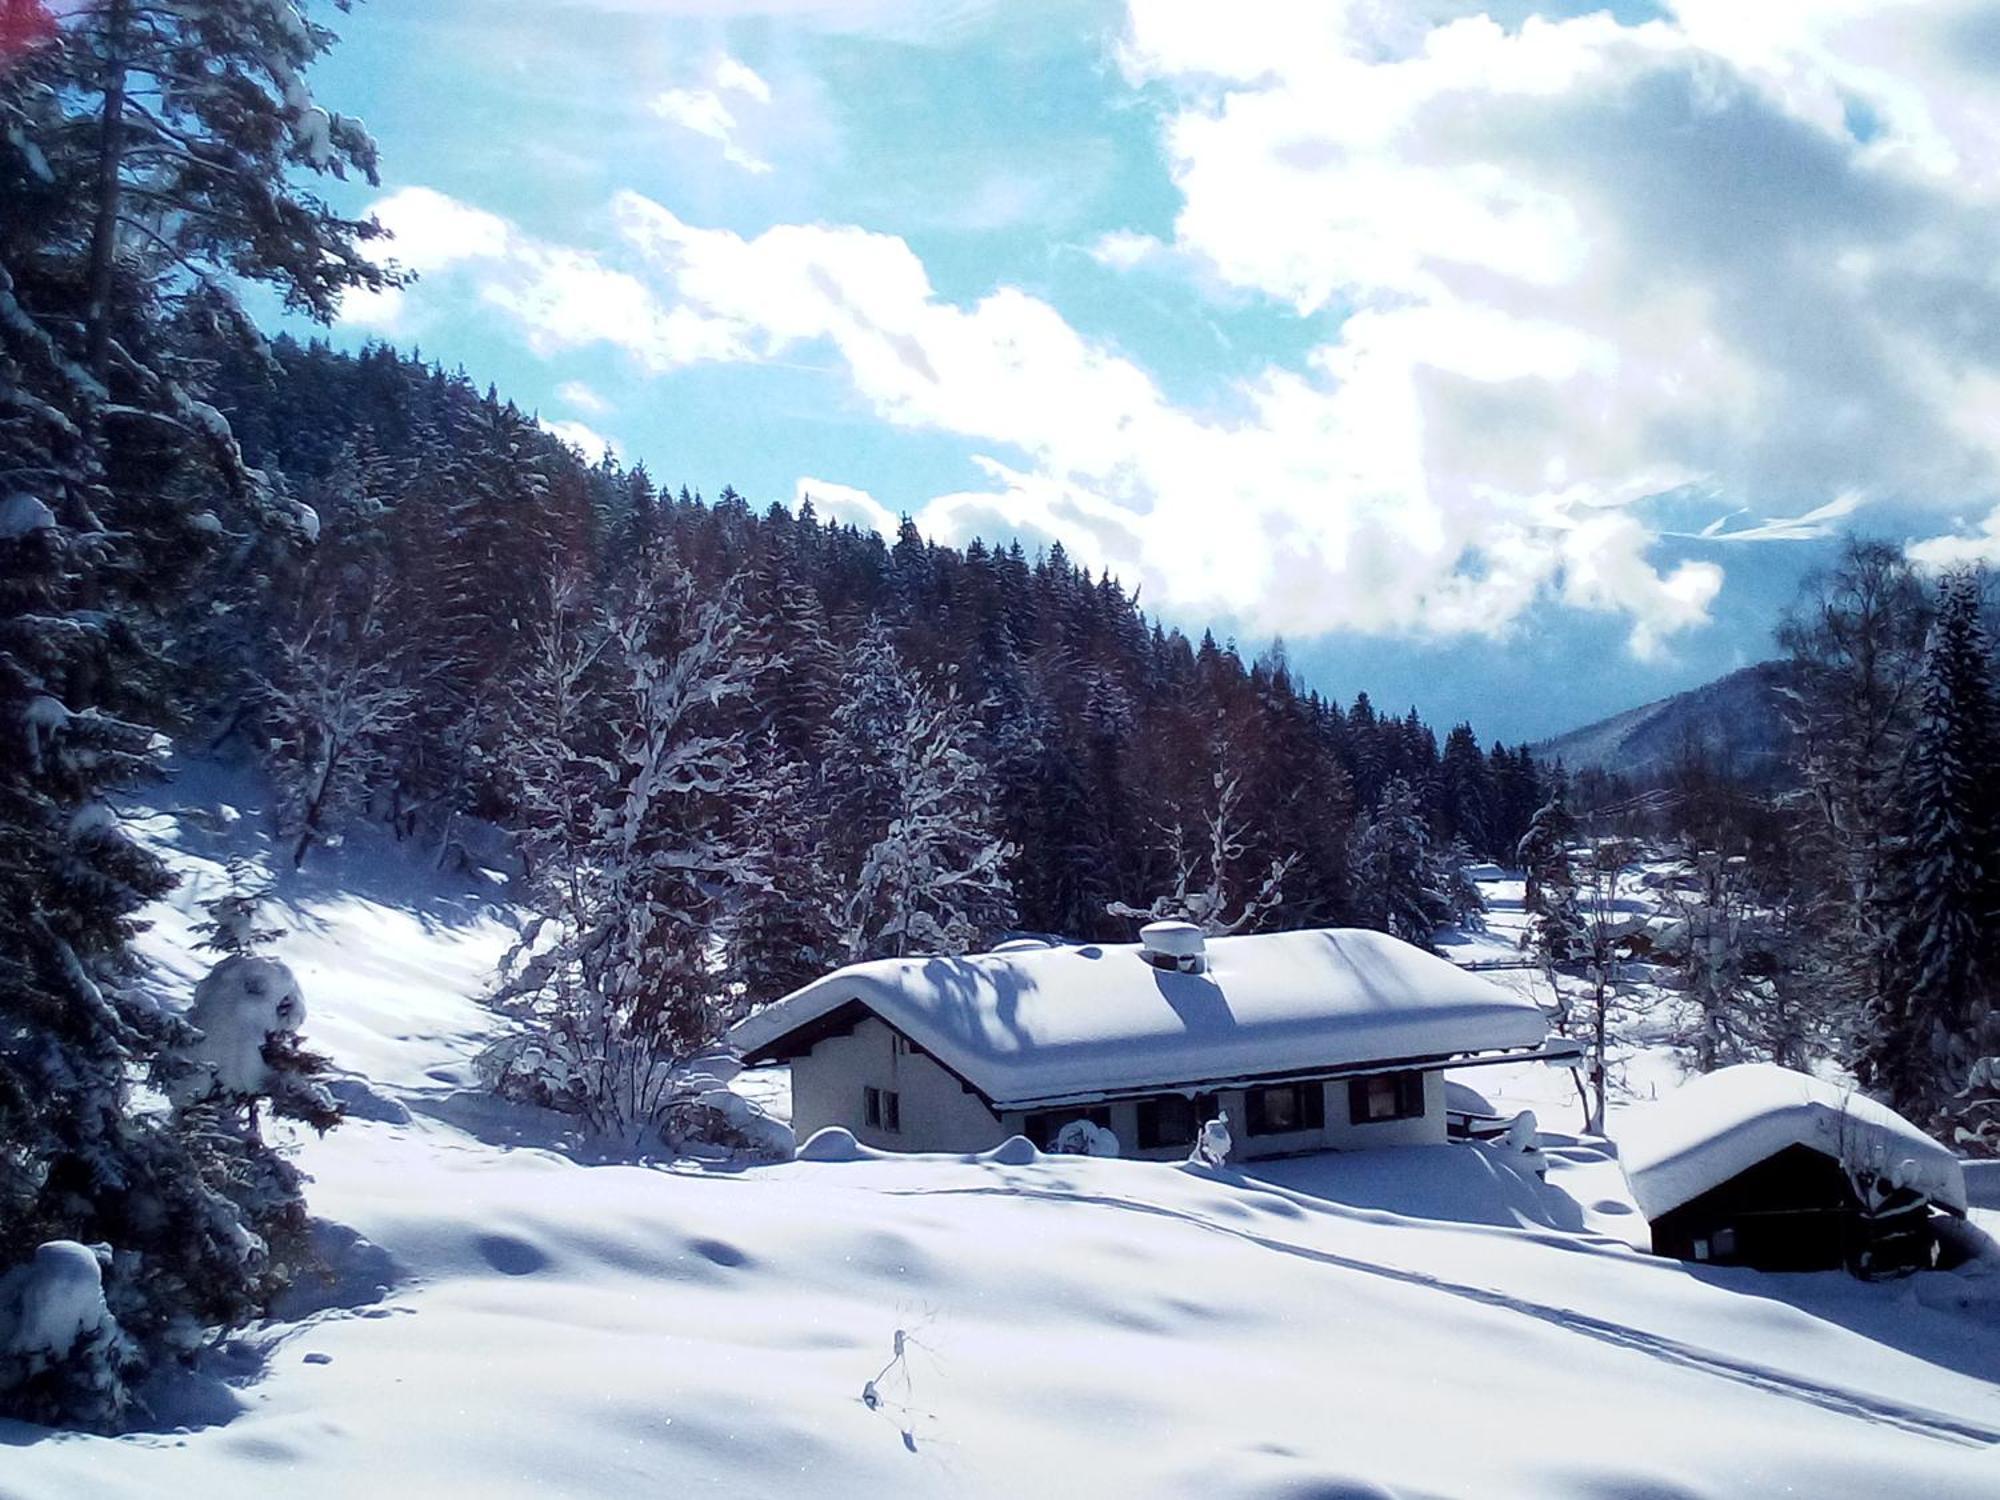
[[511, 1319]]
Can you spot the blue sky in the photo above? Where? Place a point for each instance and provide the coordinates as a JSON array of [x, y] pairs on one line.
[[1510, 361]]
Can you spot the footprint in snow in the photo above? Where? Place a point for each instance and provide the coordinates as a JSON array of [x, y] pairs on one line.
[[510, 1256]]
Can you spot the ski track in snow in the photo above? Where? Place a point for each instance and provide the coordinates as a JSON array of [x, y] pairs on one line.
[[516, 1317], [1828, 1398]]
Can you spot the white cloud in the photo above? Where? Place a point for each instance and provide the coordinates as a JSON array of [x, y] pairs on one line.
[[735, 76], [562, 297], [1960, 549], [1565, 268], [592, 444], [1122, 249], [843, 502], [1584, 261], [1821, 521], [1301, 515], [576, 393], [704, 110]]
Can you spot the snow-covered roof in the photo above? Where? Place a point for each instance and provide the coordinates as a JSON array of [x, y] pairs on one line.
[[1720, 1124], [1044, 1024]]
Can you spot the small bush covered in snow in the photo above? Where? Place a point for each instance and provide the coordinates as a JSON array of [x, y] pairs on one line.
[[1085, 1138], [62, 1354]]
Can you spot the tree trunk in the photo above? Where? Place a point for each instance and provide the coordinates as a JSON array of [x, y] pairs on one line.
[[110, 170]]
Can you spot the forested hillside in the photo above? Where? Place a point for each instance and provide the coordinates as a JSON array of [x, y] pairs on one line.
[[1112, 758], [732, 747], [1735, 725]]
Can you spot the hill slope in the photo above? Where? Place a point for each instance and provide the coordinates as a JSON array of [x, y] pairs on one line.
[[1736, 719], [513, 1319]]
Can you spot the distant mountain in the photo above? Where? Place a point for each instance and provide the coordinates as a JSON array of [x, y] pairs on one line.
[[1737, 719]]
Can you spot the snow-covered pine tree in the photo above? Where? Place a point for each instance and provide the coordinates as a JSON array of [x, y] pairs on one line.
[[1854, 637], [797, 700], [1927, 1037], [1720, 913], [146, 152], [1400, 885], [1555, 924], [617, 984], [902, 775], [782, 930], [1468, 905], [1466, 791]]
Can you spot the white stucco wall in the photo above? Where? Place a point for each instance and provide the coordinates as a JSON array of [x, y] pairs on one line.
[[1427, 1129], [938, 1114]]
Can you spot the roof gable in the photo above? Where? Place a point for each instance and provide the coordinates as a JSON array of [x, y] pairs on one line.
[[1028, 1026]]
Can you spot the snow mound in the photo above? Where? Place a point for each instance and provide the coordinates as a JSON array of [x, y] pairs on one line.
[[833, 1143], [1725, 1122], [241, 1003], [1015, 1151], [50, 1303]]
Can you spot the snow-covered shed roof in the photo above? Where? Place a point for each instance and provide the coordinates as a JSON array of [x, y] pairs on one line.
[[1043, 1025], [1725, 1122]]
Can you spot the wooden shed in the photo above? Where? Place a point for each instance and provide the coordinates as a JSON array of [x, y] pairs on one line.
[[1761, 1166]]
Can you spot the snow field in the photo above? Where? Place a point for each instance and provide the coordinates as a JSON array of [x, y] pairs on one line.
[[509, 1319]]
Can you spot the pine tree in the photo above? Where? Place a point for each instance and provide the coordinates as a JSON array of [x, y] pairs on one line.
[[146, 158], [1854, 637], [1928, 1035], [930, 872], [783, 929], [1719, 914], [1555, 924], [1401, 887], [1466, 792]]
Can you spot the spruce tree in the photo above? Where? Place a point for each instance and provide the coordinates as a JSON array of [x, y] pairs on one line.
[[1927, 1036], [1401, 886], [148, 162], [1555, 923], [914, 805]]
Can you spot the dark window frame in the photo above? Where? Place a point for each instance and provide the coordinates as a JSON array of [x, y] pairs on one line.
[[882, 1109], [1308, 1108], [1408, 1102], [1201, 1109]]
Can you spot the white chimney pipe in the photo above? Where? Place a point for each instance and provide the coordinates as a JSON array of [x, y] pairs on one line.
[[1173, 945]]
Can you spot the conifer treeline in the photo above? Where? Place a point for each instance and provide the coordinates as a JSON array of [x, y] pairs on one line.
[[1111, 740]]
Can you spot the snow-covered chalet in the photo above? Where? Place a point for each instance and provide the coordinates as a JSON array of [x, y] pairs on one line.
[[1311, 1040]]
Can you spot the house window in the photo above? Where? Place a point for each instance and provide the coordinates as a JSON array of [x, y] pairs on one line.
[[1385, 1096], [883, 1110], [1173, 1119], [1286, 1107], [904, 1046], [1043, 1128]]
